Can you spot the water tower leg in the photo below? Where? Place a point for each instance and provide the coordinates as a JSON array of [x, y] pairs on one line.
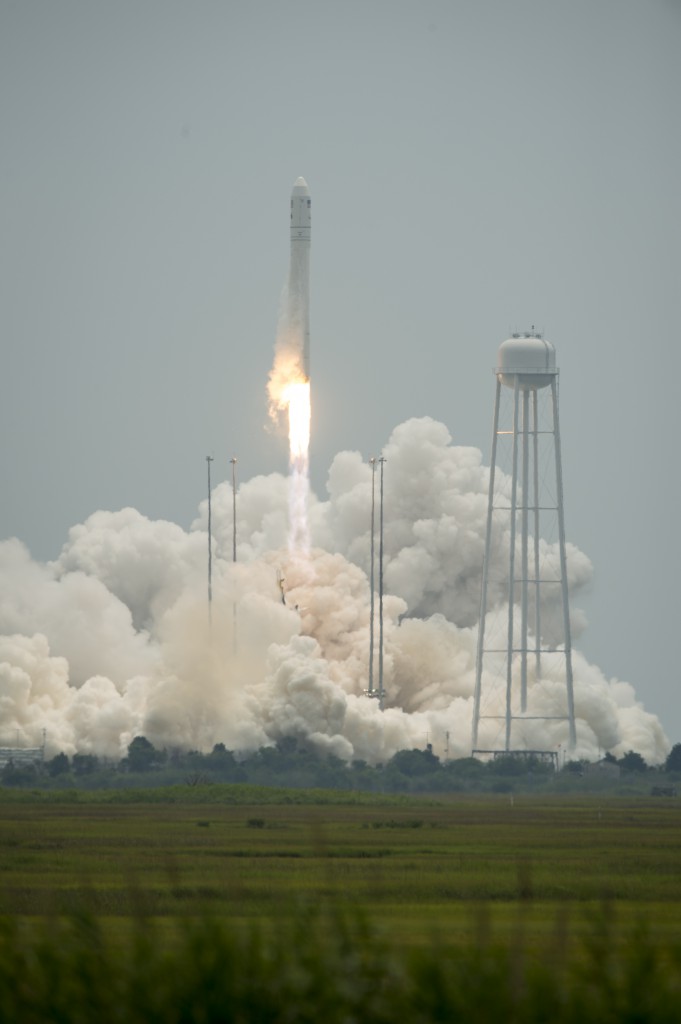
[[511, 563], [485, 573], [563, 571], [537, 602], [524, 549]]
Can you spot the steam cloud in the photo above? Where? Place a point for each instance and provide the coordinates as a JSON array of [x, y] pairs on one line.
[[112, 640]]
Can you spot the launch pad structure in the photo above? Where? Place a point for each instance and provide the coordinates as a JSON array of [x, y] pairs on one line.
[[524, 653], [549, 758]]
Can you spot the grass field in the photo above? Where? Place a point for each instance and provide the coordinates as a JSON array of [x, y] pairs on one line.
[[552, 875], [411, 859]]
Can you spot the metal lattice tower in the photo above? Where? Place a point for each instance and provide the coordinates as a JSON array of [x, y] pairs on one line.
[[524, 655]]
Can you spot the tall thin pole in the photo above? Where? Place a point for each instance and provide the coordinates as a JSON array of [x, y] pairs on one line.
[[233, 461], [233, 465], [563, 570], [372, 462], [380, 595], [485, 570], [209, 459]]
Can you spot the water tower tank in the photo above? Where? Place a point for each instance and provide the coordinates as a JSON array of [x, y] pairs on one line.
[[529, 358]]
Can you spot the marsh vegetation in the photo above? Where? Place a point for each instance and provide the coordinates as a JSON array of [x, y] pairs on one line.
[[236, 903]]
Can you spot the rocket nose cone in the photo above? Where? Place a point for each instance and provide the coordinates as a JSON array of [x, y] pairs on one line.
[[300, 188]]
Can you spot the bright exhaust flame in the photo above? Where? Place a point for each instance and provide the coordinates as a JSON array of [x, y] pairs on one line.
[[290, 394], [297, 398], [299, 445]]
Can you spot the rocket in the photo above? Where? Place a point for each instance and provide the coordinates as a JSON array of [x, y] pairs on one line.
[[299, 272]]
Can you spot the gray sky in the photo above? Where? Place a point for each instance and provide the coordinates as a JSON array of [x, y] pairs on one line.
[[476, 166]]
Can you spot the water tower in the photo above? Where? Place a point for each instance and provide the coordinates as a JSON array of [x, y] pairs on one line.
[[524, 655]]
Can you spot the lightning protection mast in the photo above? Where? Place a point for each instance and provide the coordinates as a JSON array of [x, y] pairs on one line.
[[209, 459], [381, 694], [524, 655], [233, 462], [372, 463]]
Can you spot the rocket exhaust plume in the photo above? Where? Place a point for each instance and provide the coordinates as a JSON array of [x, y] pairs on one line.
[[111, 640], [289, 382]]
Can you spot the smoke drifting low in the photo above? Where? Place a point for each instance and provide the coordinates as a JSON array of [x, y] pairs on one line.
[[112, 640]]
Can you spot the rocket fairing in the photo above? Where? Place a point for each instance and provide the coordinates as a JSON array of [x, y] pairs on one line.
[[299, 272]]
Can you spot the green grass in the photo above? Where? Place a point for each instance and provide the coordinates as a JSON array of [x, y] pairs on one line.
[[535, 888], [246, 857], [333, 966], [214, 793]]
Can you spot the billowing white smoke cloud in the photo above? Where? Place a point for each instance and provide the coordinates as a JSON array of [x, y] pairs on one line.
[[113, 639]]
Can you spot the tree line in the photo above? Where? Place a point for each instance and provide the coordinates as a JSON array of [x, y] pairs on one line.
[[293, 763]]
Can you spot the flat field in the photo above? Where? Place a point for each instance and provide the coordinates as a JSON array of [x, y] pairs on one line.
[[420, 869], [239, 904]]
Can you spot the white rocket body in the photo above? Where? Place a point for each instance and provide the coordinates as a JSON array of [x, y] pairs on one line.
[[299, 272]]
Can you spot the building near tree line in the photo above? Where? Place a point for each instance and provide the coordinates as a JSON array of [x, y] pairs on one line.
[[21, 756]]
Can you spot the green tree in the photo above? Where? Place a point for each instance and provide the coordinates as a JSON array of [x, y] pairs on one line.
[[633, 762], [415, 762], [466, 768], [59, 765], [18, 774], [221, 758], [508, 766], [673, 762], [85, 764], [142, 755]]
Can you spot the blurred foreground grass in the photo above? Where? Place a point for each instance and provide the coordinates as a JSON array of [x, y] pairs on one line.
[[333, 966]]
